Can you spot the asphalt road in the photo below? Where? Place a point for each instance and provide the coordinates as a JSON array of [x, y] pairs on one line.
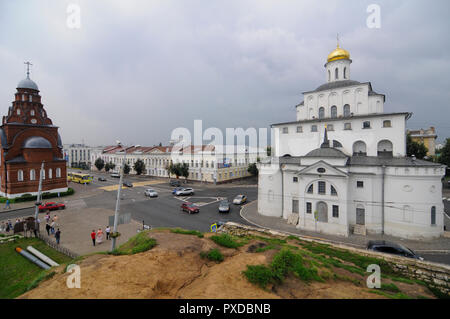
[[164, 211]]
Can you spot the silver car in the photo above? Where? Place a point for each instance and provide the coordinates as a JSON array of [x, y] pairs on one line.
[[185, 191], [151, 192], [224, 206]]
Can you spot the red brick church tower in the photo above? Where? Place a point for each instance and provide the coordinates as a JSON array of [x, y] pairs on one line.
[[28, 138]]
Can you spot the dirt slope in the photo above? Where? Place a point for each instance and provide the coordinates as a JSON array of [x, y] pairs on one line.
[[174, 269]]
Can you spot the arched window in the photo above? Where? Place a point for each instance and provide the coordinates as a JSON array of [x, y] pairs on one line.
[[321, 113], [359, 148], [433, 215], [345, 73], [58, 172], [329, 76], [50, 173], [346, 110], [310, 189], [20, 175], [43, 174], [32, 175], [18, 111], [336, 73], [385, 148], [334, 111]]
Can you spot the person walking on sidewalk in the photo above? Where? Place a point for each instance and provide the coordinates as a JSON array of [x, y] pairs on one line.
[[93, 234], [7, 206], [99, 236], [58, 236], [52, 227], [47, 228], [108, 231]]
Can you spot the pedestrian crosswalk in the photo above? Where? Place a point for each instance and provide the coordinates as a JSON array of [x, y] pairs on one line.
[[110, 188]]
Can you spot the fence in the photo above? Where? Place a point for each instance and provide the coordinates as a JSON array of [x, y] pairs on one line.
[[57, 247]]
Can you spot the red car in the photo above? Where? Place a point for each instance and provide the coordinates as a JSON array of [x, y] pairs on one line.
[[190, 208], [51, 206]]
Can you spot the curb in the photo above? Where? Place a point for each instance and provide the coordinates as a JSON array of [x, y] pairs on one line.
[[15, 210], [328, 240]]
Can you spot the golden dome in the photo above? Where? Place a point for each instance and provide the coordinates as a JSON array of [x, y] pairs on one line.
[[338, 54]]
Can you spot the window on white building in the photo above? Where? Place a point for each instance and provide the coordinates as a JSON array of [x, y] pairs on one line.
[[313, 128], [360, 184], [295, 179], [334, 111], [387, 123], [333, 191], [335, 211], [366, 124], [433, 215], [295, 209], [321, 113], [322, 188], [346, 110], [299, 129], [285, 130], [310, 189], [330, 127], [308, 208], [347, 126]]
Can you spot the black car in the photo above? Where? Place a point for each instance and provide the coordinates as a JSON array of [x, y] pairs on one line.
[[175, 183], [387, 247], [127, 184], [102, 179]]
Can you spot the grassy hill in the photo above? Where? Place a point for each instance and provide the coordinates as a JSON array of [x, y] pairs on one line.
[[18, 274]]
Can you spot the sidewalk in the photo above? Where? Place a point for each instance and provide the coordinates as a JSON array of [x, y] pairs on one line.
[[249, 212]]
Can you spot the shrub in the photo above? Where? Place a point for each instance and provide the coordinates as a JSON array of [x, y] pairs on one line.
[[213, 254], [226, 240], [390, 287], [136, 244], [259, 275]]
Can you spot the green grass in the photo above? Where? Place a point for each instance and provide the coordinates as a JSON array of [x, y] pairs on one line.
[[18, 274], [226, 240], [213, 254], [284, 263], [136, 244], [268, 247], [389, 287], [187, 232]]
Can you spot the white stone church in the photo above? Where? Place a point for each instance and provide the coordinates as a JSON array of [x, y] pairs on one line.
[[341, 167]]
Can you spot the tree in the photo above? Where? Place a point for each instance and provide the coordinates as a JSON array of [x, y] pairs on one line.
[[252, 169], [414, 148], [99, 163], [109, 167], [184, 170], [445, 153], [126, 168], [139, 167]]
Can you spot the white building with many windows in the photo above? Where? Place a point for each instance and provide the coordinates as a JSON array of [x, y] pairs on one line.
[[341, 167], [207, 163]]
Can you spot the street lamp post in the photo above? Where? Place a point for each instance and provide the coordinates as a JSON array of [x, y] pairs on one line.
[[38, 196], [116, 213]]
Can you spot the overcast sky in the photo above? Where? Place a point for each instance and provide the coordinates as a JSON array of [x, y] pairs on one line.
[[135, 70]]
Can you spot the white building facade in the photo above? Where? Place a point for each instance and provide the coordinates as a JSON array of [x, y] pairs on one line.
[[207, 163], [341, 167]]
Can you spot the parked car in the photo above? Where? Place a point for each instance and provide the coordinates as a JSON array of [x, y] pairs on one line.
[[176, 189], [127, 184], [175, 183], [115, 175], [190, 208], [102, 179], [240, 199], [387, 247], [51, 206], [151, 192], [185, 191], [224, 206]]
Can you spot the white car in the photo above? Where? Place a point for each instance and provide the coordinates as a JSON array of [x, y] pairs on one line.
[[240, 199], [185, 191], [151, 192]]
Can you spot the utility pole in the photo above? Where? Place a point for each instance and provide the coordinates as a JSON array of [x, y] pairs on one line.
[[383, 174], [38, 197], [116, 213]]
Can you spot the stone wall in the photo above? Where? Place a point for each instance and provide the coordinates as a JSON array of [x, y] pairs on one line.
[[434, 274]]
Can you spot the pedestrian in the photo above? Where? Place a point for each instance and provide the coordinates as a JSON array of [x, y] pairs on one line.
[[108, 231], [52, 227], [58, 236], [7, 206], [47, 217], [47, 228], [3, 227], [93, 234], [99, 236], [9, 226]]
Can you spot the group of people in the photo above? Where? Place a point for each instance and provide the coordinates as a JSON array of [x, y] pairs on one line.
[[7, 226], [50, 227], [97, 237]]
